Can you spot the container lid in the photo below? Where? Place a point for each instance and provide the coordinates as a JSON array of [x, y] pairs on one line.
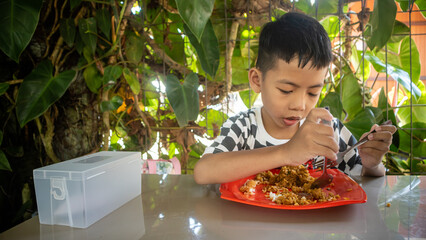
[[93, 162]]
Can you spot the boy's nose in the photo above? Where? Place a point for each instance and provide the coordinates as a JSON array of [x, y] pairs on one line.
[[297, 103]]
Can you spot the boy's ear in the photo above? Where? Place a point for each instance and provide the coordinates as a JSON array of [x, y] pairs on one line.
[[255, 79]]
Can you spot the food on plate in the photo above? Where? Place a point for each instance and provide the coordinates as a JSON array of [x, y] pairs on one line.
[[291, 186], [249, 187]]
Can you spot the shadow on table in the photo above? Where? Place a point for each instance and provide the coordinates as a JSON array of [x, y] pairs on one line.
[[237, 220], [127, 222]]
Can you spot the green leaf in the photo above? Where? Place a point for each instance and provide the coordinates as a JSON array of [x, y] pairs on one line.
[[351, 95], [150, 91], [362, 67], [111, 105], [331, 25], [74, 3], [303, 5], [4, 163], [405, 4], [395, 72], [18, 21], [248, 49], [383, 104], [93, 78], [169, 36], [400, 31], [207, 49], [240, 66], [195, 14], [67, 29], [404, 58], [332, 100], [87, 28], [40, 90], [361, 123], [172, 149], [325, 7], [381, 23], [3, 88], [132, 80], [103, 20], [213, 120], [416, 113], [248, 97], [134, 47], [111, 74], [79, 45], [183, 97], [419, 145], [421, 4]]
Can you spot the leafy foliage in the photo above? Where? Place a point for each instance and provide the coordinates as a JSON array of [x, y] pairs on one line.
[[40, 90], [381, 23], [195, 14], [183, 97], [17, 15]]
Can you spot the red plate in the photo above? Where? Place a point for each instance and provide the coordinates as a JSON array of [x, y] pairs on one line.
[[342, 185]]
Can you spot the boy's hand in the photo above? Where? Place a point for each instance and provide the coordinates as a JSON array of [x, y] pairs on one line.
[[313, 139], [372, 151]]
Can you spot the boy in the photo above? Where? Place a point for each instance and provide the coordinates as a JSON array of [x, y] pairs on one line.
[[293, 59]]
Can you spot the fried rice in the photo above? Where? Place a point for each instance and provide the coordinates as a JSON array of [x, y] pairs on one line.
[[291, 186]]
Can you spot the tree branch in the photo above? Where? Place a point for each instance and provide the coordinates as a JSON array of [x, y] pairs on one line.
[[168, 60], [47, 136], [165, 5], [229, 52]]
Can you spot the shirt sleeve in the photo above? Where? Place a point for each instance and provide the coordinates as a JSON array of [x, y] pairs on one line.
[[230, 138], [351, 163]]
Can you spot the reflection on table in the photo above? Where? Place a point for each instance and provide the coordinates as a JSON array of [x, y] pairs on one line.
[[175, 207]]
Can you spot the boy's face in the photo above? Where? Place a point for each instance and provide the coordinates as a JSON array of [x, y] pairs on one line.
[[288, 93]]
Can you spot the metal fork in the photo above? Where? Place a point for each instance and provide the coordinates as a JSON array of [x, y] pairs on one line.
[[341, 155]]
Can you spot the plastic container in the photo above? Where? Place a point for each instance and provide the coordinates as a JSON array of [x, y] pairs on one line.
[[80, 191]]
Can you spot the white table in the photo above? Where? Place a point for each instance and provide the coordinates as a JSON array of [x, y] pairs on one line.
[[175, 207]]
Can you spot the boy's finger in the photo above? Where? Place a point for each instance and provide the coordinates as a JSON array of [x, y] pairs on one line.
[[328, 142], [383, 136], [388, 128], [318, 114], [328, 153], [323, 129], [374, 146]]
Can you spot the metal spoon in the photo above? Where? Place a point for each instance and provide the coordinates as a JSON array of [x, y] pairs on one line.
[[341, 155]]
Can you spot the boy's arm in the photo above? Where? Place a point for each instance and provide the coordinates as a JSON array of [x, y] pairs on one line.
[[229, 166], [372, 152], [312, 139]]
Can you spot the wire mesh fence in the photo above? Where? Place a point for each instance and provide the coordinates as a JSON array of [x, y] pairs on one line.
[[389, 78]]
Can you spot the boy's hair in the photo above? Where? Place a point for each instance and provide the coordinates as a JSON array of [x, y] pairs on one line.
[[293, 35]]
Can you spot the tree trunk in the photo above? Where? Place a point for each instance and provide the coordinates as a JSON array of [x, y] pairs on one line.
[[78, 125]]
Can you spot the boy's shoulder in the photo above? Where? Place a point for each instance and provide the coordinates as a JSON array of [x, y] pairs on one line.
[[247, 116], [244, 114], [247, 120]]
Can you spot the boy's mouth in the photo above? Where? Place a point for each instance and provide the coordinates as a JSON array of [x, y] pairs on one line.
[[290, 121]]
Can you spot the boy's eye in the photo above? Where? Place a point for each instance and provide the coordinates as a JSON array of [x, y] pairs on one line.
[[284, 91], [313, 94]]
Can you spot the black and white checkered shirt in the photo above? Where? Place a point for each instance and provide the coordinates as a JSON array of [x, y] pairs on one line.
[[245, 131]]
